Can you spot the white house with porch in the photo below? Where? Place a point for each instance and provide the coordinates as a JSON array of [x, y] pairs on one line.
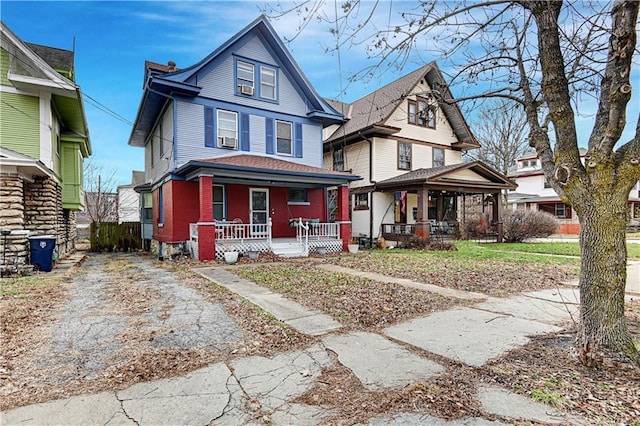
[[406, 141]]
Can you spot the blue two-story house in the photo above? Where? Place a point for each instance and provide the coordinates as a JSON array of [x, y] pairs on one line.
[[233, 153]]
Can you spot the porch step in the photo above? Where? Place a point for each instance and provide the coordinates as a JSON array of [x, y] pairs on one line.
[[288, 249]]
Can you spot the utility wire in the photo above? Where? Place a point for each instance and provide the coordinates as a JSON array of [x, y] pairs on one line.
[[94, 102], [26, 114]]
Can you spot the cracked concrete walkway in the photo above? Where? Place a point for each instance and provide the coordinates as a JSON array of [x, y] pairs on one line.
[[257, 390]]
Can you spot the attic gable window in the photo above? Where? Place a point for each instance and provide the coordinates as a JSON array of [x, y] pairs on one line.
[[420, 113], [246, 77], [267, 83]]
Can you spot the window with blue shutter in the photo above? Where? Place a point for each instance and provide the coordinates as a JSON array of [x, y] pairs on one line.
[[269, 135], [298, 141], [244, 132], [209, 139]]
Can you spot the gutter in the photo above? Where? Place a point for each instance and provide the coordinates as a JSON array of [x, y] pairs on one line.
[[373, 183]]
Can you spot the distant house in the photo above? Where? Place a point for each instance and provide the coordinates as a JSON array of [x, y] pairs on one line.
[[233, 153], [44, 139], [129, 200], [534, 192], [407, 142]]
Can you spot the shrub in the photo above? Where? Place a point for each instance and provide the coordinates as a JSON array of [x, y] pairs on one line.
[[474, 227], [421, 243], [520, 225]]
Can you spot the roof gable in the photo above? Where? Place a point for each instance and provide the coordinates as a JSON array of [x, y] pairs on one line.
[[30, 67], [464, 174], [262, 29], [32, 72], [374, 109], [163, 80]]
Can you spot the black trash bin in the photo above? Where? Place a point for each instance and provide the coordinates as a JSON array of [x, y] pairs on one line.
[[42, 247]]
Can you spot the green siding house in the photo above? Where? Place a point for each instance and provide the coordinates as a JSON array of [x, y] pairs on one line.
[[44, 139]]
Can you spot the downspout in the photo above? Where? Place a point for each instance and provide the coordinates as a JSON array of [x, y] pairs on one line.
[[373, 183]]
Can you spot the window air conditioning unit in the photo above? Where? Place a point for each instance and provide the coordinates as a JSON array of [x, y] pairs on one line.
[[246, 89], [227, 142]]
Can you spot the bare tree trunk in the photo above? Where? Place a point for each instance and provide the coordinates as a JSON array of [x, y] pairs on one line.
[[603, 329]]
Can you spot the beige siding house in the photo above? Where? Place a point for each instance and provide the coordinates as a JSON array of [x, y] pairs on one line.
[[407, 141]]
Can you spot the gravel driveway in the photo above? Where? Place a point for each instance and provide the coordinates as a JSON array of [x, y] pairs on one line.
[[123, 303]]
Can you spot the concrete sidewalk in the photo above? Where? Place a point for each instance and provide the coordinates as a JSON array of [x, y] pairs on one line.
[[255, 390]]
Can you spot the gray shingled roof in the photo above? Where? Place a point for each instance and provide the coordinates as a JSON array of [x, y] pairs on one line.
[[422, 176], [58, 59], [376, 107]]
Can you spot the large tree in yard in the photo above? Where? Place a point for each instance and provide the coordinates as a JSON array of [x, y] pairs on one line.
[[552, 59]]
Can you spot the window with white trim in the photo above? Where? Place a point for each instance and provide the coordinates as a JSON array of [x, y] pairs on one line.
[[284, 138], [267, 83], [245, 74], [227, 129], [560, 210]]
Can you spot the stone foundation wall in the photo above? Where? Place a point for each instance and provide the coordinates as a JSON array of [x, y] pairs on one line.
[[12, 219], [33, 208]]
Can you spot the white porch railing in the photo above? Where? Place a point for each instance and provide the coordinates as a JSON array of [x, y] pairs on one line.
[[243, 231], [241, 237], [302, 235]]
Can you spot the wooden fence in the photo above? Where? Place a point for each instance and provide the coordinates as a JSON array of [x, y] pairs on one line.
[[111, 236]]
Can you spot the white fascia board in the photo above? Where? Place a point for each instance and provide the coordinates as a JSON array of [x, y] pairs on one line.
[[58, 87]]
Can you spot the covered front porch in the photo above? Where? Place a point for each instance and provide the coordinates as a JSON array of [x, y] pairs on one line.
[[250, 203], [311, 237], [435, 203]]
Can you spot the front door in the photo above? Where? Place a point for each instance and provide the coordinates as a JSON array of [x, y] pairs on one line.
[[259, 214]]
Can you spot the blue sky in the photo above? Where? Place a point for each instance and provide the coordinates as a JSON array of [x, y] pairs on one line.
[[113, 39]]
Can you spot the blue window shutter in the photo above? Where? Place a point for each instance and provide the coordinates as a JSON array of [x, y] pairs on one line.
[[297, 150], [209, 139], [269, 135], [244, 132]]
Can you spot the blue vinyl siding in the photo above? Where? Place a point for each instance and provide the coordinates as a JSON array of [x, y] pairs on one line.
[[220, 83], [297, 135]]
